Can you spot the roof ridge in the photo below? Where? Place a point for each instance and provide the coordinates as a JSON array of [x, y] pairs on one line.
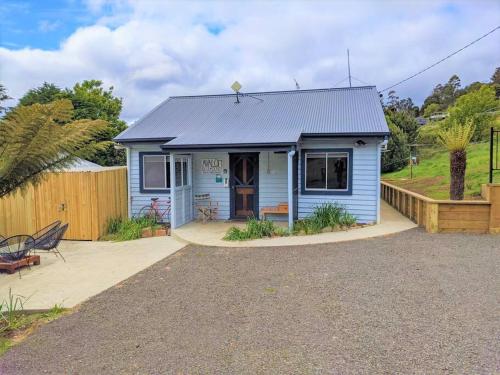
[[274, 92]]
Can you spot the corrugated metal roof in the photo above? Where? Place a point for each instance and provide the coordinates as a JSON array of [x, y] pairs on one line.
[[261, 118]]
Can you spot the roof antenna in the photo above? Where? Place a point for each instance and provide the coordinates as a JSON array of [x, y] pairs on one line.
[[236, 86], [349, 68], [297, 86]]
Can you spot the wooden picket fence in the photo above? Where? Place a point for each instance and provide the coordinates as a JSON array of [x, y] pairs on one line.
[[85, 200], [472, 216]]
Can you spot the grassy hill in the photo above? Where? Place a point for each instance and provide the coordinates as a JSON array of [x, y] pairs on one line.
[[432, 176]]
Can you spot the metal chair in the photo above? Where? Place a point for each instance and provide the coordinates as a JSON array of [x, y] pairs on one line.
[[43, 234], [16, 248], [51, 240]]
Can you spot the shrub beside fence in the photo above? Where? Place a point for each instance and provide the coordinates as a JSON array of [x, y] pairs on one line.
[[481, 216], [85, 200]]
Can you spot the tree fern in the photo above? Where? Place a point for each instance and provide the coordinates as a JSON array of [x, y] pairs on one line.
[[32, 140], [456, 139]]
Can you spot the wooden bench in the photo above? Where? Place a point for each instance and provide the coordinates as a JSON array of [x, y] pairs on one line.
[[280, 209], [11, 267]]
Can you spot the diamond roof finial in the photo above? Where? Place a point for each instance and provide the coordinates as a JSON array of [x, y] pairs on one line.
[[236, 86]]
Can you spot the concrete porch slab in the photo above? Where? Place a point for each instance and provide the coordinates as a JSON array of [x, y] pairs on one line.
[[90, 268], [212, 233]]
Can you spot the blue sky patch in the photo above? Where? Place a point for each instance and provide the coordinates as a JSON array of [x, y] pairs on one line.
[[41, 24], [215, 28]]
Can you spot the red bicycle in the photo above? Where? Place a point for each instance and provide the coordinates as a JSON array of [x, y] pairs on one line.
[[158, 210]]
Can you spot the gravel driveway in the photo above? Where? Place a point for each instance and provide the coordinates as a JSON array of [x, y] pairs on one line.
[[406, 303]]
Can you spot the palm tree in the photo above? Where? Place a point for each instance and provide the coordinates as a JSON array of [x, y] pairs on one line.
[[456, 139]]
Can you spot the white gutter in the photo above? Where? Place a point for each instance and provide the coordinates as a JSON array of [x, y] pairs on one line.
[[290, 189], [379, 171]]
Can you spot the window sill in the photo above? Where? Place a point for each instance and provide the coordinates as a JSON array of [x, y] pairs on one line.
[[326, 192], [154, 191]]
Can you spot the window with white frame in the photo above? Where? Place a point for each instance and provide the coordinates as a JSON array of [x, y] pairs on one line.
[[155, 172], [182, 177], [326, 171]]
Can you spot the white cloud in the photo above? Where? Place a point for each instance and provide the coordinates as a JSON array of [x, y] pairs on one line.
[[149, 50]]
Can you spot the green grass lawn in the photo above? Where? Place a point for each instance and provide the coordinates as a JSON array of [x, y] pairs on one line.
[[432, 176], [16, 328]]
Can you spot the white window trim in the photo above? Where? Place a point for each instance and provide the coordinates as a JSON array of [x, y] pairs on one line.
[[181, 160], [326, 154], [165, 187]]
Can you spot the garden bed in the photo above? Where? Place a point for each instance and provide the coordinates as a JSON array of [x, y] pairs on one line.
[[119, 229], [328, 217]]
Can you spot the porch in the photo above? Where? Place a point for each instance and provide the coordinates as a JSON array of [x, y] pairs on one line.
[[212, 233], [238, 182]]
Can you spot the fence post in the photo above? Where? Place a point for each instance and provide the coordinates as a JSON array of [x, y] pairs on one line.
[[491, 155], [432, 222], [492, 194]]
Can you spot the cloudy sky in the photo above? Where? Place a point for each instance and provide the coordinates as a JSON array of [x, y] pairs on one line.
[[151, 49]]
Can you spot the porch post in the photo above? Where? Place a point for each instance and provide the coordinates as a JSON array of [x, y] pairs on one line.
[[129, 196], [290, 189], [172, 190]]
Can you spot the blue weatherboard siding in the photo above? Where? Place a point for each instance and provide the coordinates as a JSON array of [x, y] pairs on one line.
[[204, 183], [273, 179], [363, 201], [273, 175], [138, 198]]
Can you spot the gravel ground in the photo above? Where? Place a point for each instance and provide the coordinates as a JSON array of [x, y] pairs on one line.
[[407, 303]]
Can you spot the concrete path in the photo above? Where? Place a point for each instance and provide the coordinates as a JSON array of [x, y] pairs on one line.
[[211, 234], [90, 268]]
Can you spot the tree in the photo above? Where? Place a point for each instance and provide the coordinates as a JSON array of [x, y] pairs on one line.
[[406, 122], [3, 97], [32, 140], [476, 106], [495, 78], [46, 93], [456, 139], [396, 156], [395, 104], [431, 109], [444, 95], [90, 101]]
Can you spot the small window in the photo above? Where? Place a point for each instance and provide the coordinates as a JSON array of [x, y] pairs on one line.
[[328, 171], [185, 172], [155, 172], [181, 172]]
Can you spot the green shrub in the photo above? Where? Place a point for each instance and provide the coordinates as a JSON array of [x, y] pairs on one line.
[[113, 224], [327, 215], [254, 229], [129, 229]]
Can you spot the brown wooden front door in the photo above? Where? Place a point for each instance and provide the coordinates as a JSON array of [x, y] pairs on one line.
[[244, 182]]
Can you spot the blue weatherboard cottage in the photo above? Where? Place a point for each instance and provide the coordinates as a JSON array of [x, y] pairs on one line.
[[297, 148]]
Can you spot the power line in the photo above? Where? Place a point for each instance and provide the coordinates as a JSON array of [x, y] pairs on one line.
[[443, 59]]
